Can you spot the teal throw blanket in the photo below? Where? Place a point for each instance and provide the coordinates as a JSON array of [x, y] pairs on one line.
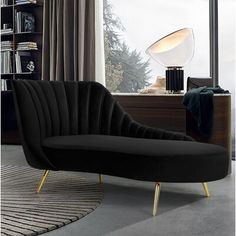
[[199, 101]]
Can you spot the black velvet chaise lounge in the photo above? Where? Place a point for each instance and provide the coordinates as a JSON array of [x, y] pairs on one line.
[[79, 126]]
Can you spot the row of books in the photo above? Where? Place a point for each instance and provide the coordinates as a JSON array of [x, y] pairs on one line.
[[23, 62], [6, 45], [27, 46], [25, 22], [6, 31], [6, 62], [4, 3]]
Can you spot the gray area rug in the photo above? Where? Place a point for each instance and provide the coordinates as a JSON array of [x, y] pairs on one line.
[[65, 197]]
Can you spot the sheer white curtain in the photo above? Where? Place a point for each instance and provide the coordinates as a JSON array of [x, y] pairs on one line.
[[99, 43]]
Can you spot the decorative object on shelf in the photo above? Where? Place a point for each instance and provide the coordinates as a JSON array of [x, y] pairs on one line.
[[5, 26], [25, 22], [30, 66], [158, 87], [24, 62], [174, 51]]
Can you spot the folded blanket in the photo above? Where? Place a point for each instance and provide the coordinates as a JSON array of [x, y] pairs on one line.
[[199, 101]]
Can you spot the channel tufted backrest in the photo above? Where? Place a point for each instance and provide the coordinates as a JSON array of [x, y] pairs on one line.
[[45, 109], [68, 108]]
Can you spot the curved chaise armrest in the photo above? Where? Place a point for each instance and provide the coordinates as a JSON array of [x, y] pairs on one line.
[[142, 131]]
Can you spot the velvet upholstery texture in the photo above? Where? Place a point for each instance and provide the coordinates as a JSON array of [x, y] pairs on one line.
[[137, 158], [79, 126]]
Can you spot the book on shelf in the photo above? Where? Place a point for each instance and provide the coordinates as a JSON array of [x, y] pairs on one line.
[[27, 46], [6, 62], [19, 2], [4, 3], [6, 46], [24, 62], [25, 22], [6, 31], [3, 85]]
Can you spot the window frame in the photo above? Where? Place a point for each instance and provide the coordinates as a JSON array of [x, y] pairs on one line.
[[214, 41]]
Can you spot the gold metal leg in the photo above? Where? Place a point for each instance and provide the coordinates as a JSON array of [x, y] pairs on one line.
[[100, 179], [43, 178], [206, 190], [156, 198]]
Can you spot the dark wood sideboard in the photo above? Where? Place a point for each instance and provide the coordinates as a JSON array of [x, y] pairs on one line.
[[167, 111]]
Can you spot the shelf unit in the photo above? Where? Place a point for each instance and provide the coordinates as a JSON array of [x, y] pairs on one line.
[[8, 15], [9, 130]]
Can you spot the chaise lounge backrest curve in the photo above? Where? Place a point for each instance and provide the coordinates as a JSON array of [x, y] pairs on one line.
[[47, 109], [63, 123]]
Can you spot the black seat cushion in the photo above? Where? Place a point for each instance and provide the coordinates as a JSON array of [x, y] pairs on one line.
[[138, 158]]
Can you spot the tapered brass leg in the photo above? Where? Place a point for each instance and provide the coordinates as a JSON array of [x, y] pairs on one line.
[[206, 190], [156, 198], [100, 179], [43, 178]]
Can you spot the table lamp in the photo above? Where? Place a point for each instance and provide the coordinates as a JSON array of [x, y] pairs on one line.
[[174, 51]]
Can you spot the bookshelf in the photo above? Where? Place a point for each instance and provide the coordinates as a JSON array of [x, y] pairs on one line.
[[21, 23], [14, 36]]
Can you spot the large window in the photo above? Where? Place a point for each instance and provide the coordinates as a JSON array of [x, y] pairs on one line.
[[227, 47], [130, 26], [227, 52]]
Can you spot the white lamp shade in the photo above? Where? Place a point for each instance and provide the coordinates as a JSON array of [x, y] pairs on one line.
[[173, 50]]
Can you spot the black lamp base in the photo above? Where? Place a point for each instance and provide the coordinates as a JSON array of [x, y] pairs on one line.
[[174, 79]]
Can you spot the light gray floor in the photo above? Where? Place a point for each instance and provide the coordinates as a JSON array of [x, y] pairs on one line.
[[127, 205]]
